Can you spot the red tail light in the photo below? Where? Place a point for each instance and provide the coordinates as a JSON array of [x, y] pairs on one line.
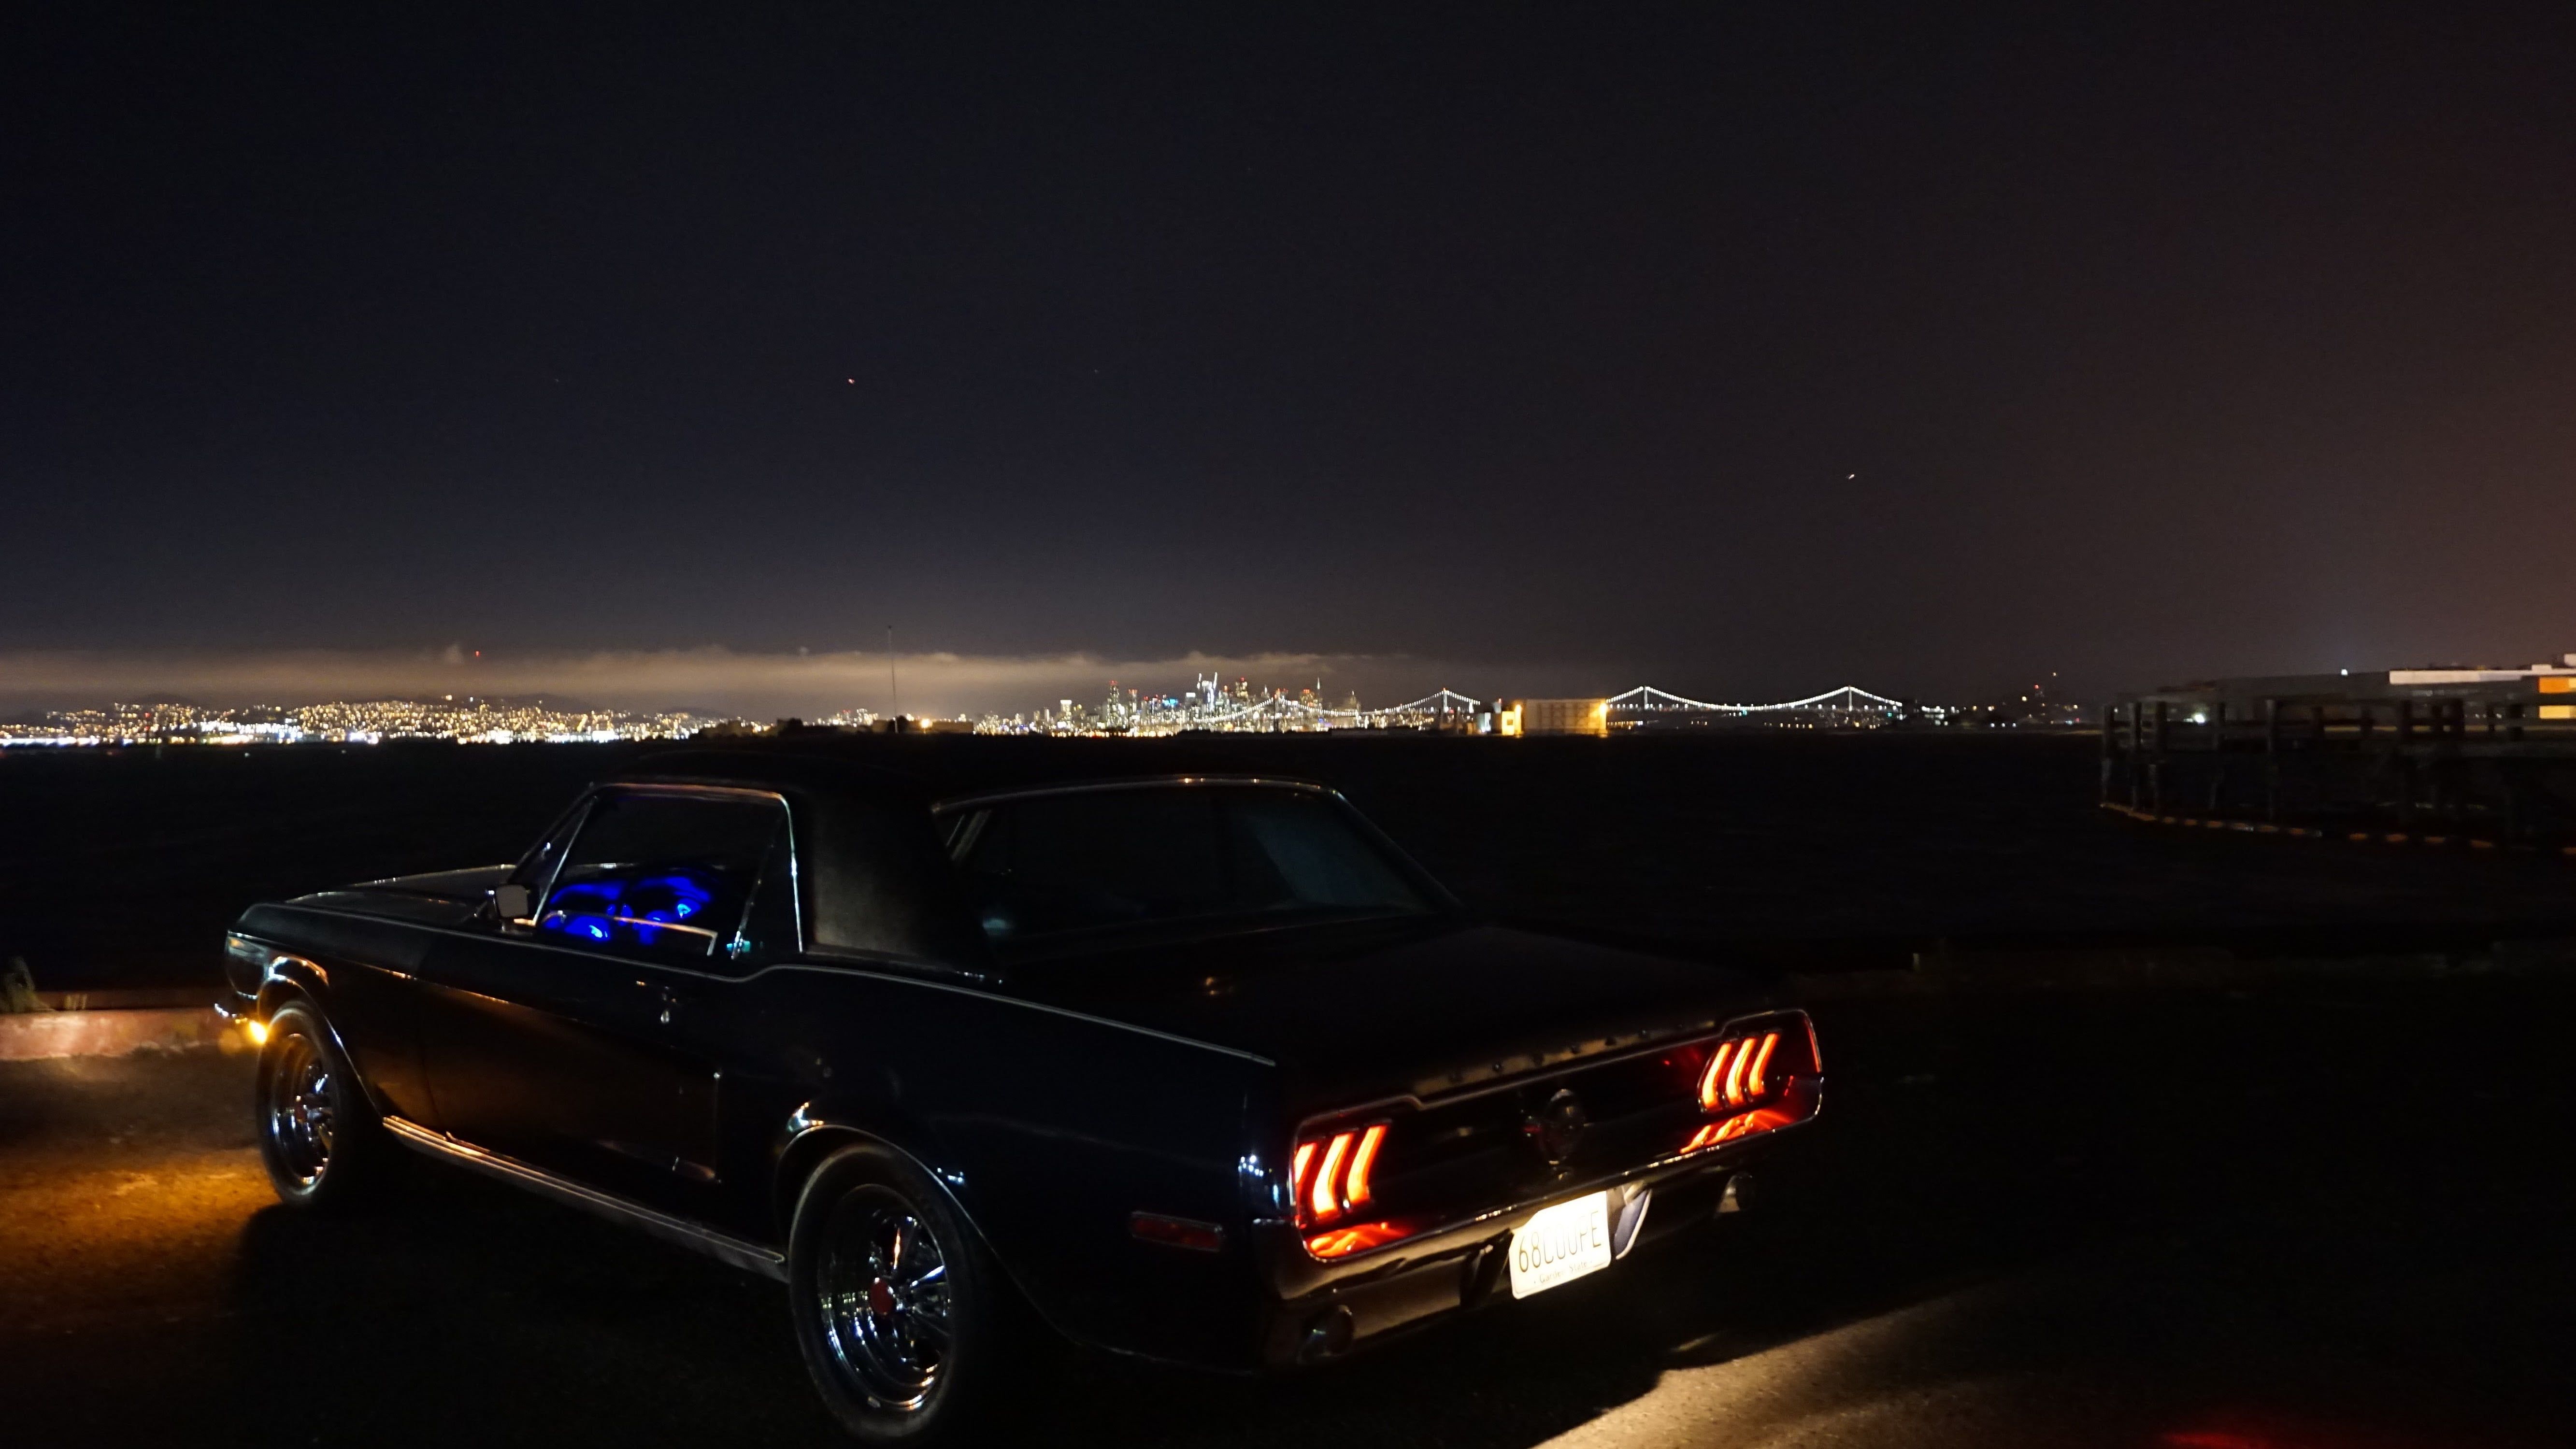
[[1328, 1179], [1764, 1074], [1342, 1242], [1329, 1176]]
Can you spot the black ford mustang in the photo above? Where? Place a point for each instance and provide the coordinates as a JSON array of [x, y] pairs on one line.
[[1198, 1068]]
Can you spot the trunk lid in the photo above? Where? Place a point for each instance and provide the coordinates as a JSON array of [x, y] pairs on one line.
[[1503, 1065], [1354, 1013]]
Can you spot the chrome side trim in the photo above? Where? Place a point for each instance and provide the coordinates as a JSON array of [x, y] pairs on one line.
[[901, 979], [1021, 1001], [385, 880], [723, 1247], [1139, 782]]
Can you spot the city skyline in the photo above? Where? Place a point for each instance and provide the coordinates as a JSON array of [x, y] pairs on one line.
[[723, 684], [1209, 702], [805, 684]]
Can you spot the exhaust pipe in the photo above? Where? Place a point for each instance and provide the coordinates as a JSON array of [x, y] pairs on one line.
[[1738, 1195], [1328, 1334]]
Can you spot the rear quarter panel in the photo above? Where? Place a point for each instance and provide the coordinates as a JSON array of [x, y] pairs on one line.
[[1050, 1129]]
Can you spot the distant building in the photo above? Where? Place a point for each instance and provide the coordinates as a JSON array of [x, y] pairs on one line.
[[2503, 693], [2451, 756], [1553, 717]]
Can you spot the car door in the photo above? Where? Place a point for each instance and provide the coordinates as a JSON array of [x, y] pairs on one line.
[[474, 1092], [572, 1038]]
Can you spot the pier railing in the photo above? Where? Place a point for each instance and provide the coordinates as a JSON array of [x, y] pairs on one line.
[[2479, 772]]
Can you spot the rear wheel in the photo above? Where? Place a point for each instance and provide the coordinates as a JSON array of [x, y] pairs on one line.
[[903, 1320], [318, 1136]]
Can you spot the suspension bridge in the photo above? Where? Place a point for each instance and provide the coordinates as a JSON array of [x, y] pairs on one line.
[[1635, 706], [1646, 701]]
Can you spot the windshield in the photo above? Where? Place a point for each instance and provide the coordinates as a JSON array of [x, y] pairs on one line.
[[1051, 866]]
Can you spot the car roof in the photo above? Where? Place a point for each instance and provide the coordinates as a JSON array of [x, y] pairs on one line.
[[928, 778], [878, 880], [775, 769]]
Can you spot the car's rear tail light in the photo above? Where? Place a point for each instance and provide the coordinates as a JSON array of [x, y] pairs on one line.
[[1330, 1195], [1763, 1074], [1739, 1072], [1342, 1242], [1330, 1173], [1328, 1179]]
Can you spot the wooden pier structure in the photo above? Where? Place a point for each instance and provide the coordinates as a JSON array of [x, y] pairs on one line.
[[2484, 758]]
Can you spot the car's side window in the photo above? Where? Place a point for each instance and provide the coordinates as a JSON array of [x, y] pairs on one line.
[[1091, 860], [1106, 860], [662, 874]]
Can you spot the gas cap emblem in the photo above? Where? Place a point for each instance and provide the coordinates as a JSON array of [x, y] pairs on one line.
[[1557, 1127]]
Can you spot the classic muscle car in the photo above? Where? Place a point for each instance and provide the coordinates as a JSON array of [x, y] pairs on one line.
[[1201, 1069]]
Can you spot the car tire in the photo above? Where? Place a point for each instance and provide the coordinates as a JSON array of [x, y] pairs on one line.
[[908, 1329], [319, 1137]]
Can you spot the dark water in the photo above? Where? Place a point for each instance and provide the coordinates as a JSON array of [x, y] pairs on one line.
[[122, 867]]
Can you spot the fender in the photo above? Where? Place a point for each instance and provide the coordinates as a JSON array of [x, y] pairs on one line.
[[863, 1099], [812, 1131], [808, 1136], [289, 978]]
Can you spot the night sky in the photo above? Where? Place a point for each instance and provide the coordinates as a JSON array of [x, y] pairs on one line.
[[1740, 351]]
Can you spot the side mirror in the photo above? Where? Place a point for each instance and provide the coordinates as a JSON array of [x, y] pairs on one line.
[[513, 902]]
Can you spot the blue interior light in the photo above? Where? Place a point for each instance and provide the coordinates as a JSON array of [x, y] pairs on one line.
[[603, 909]]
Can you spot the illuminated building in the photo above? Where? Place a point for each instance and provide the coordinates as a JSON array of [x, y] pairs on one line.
[[1558, 716]]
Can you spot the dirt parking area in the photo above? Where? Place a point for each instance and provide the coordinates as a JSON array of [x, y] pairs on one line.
[[2311, 1212]]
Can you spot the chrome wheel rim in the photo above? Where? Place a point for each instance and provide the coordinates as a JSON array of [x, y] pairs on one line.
[[884, 1299], [300, 1114]]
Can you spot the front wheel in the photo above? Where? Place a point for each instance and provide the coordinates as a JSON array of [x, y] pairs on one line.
[[318, 1135], [902, 1318]]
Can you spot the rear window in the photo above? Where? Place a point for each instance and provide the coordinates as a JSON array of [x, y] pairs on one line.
[[1103, 861]]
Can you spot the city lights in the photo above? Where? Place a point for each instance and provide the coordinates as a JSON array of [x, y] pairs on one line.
[[1210, 705], [467, 721]]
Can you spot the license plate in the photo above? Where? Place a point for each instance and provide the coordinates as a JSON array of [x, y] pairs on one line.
[[1560, 1244]]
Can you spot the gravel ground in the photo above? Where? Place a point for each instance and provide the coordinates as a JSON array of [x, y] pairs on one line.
[[2323, 1213]]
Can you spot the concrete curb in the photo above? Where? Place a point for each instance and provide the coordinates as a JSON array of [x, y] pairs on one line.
[[35, 1035]]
